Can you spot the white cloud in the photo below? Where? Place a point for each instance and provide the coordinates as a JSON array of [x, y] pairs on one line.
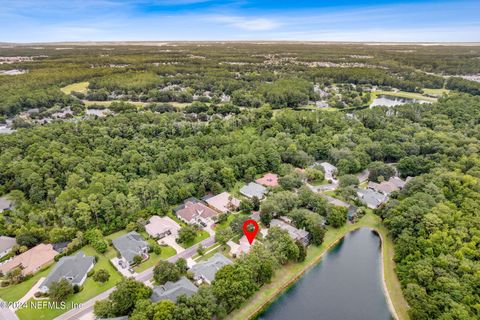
[[252, 24]]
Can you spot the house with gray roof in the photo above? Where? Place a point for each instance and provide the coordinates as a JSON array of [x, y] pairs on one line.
[[300, 235], [6, 245], [371, 198], [253, 190], [73, 268], [205, 271], [130, 245], [172, 290], [5, 204]]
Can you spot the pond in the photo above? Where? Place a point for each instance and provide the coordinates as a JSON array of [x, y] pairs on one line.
[[345, 285], [391, 101]]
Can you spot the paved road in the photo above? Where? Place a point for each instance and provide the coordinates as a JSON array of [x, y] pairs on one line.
[[87, 307]]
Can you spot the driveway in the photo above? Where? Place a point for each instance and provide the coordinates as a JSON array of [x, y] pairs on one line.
[[170, 240], [31, 292], [210, 230], [123, 270]]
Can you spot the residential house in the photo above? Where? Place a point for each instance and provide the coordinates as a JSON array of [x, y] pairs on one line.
[[6, 245], [5, 204], [253, 190], [330, 170], [205, 271], [300, 235], [31, 260], [60, 246], [223, 202], [160, 227], [193, 211], [130, 245], [243, 247], [268, 180], [72, 268], [371, 198], [387, 187], [172, 290]]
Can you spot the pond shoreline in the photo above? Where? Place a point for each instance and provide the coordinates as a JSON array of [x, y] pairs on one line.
[[253, 314]]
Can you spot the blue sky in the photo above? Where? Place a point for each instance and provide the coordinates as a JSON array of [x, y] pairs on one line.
[[150, 20]]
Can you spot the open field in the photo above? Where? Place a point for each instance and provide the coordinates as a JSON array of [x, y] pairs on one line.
[[290, 273], [404, 94], [78, 87]]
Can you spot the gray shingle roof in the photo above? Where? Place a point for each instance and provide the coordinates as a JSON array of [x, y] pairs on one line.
[[207, 269], [72, 268], [130, 245], [5, 204], [253, 190], [6, 243], [172, 290], [371, 198], [294, 233]]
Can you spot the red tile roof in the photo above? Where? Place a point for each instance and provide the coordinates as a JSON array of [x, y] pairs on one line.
[[268, 180]]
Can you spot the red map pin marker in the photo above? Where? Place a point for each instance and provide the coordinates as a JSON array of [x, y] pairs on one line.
[[250, 234]]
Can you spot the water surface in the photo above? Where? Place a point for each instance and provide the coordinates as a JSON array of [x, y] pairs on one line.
[[391, 101], [345, 285]]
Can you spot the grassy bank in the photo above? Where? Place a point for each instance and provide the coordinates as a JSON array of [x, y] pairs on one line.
[[292, 272]]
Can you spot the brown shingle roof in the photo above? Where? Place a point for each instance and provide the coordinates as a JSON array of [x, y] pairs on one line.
[[32, 260], [192, 209]]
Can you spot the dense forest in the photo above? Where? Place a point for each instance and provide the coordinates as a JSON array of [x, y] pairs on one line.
[[149, 73], [67, 177]]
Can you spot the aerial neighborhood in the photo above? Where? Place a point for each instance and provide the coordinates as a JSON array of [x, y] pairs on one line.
[[197, 238], [202, 180]]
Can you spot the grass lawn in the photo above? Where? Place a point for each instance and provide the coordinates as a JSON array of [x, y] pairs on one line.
[[290, 273], [404, 94], [435, 91], [171, 215], [364, 184], [14, 293], [154, 258], [225, 249], [107, 103], [201, 235], [90, 289], [318, 182], [116, 234], [225, 223], [79, 87]]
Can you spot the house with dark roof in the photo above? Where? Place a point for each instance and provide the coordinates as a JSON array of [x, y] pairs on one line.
[[60, 246], [172, 290], [130, 245], [193, 211], [6, 245], [205, 271], [253, 190], [299, 235], [72, 268]]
